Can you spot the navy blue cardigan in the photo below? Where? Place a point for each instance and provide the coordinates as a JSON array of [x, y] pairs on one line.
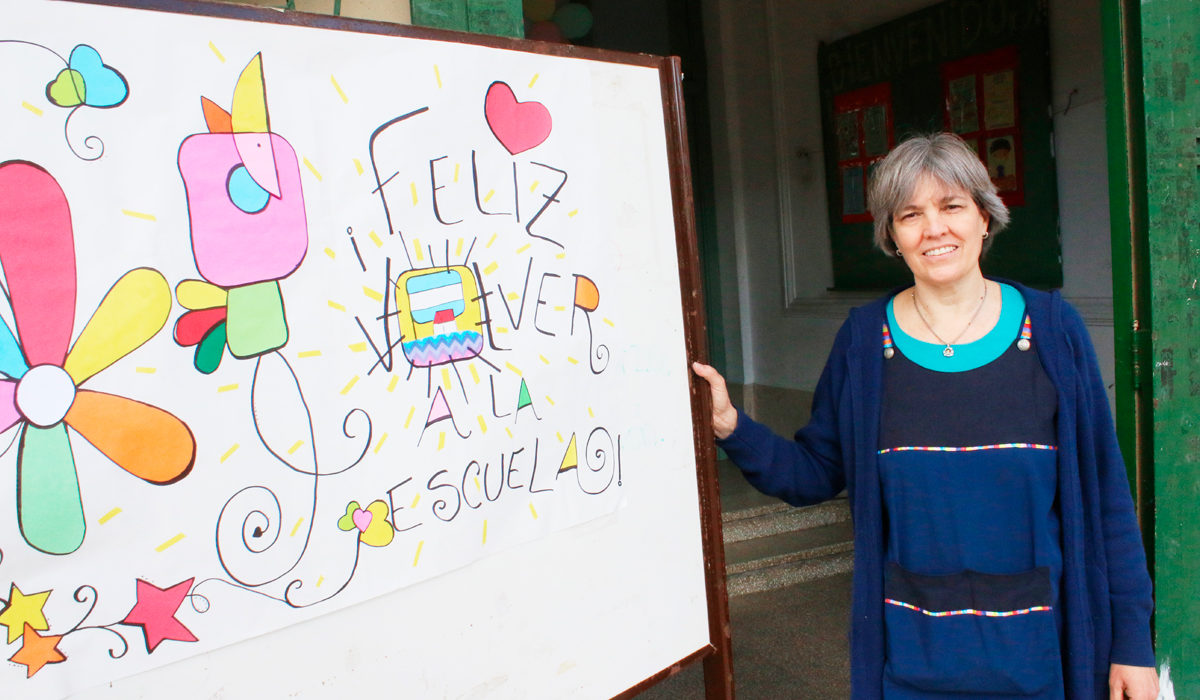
[[1105, 595]]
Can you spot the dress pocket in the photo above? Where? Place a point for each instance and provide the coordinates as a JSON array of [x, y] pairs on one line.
[[971, 632]]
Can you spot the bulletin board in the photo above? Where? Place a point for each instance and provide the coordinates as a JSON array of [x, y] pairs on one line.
[[977, 68], [344, 357]]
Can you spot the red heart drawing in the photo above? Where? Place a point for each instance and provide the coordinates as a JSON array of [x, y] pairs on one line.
[[518, 126]]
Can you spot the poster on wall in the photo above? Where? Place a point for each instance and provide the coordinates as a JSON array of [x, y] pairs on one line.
[[294, 318]]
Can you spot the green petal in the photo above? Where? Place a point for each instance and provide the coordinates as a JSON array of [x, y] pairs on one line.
[[49, 506]]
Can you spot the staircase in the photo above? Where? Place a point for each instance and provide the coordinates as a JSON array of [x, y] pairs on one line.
[[771, 545]]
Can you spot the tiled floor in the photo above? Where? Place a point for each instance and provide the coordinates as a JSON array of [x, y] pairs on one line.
[[787, 643]]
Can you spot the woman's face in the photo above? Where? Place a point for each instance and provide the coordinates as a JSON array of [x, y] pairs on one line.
[[939, 233]]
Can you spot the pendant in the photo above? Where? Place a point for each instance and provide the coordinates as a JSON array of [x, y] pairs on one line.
[[1023, 344], [948, 352], [889, 353]]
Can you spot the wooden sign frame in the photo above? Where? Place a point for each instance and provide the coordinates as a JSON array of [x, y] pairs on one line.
[[716, 655]]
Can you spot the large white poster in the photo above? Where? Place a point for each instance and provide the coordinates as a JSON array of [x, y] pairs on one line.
[[294, 318]]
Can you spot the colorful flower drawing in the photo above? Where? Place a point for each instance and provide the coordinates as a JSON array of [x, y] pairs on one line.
[[246, 210], [372, 523], [40, 391]]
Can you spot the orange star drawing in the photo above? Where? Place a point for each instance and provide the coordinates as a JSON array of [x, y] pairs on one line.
[[22, 611], [36, 651]]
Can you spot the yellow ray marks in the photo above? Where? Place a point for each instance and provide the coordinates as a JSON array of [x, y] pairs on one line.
[[561, 256], [533, 510], [533, 187], [437, 74], [109, 515], [523, 248], [559, 436], [512, 367], [534, 79], [392, 384], [334, 305], [478, 486], [482, 424], [308, 353], [375, 239], [229, 452], [417, 556], [412, 187], [456, 167], [332, 255], [417, 249], [572, 213], [509, 431], [320, 580], [145, 370], [513, 296], [549, 400], [341, 94], [591, 413], [408, 420], [379, 445], [491, 240], [446, 378], [543, 359], [610, 323], [560, 308], [313, 169], [226, 387], [296, 527], [458, 248], [486, 197], [501, 329], [349, 385], [216, 52], [139, 215], [293, 448], [572, 360], [491, 268], [357, 347], [474, 374], [358, 166], [416, 500], [441, 440], [169, 543], [32, 108], [484, 532]]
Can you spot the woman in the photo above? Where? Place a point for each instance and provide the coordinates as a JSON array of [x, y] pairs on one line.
[[996, 550]]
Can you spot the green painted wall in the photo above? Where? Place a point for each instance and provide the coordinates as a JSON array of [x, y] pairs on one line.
[[1170, 31]]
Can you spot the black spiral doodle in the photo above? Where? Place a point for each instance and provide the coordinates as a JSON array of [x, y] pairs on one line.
[[597, 459], [596, 352], [255, 514], [87, 595]]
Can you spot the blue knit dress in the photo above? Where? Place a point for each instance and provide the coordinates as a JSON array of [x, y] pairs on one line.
[[968, 465]]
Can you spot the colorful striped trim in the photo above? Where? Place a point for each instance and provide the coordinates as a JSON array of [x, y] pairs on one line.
[[968, 611], [887, 337], [970, 448], [1027, 328]]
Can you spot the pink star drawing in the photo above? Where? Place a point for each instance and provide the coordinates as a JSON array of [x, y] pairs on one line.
[[155, 612]]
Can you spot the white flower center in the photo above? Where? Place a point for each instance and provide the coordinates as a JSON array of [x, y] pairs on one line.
[[45, 394]]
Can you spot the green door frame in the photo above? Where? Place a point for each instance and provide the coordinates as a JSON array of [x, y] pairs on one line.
[[1152, 81]]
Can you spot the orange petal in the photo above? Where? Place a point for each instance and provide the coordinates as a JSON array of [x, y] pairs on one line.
[[143, 440]]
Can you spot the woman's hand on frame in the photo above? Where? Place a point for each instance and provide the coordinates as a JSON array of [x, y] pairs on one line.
[[1133, 682], [724, 418]]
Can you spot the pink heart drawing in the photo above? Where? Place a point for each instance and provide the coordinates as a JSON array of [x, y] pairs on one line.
[[362, 519], [518, 126]]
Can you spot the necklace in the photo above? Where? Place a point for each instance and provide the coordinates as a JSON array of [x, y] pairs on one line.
[[949, 351]]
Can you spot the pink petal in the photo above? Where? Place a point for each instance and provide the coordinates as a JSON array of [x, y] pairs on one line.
[[37, 250]]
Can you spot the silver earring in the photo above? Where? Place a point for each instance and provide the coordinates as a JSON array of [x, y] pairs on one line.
[[985, 234], [899, 254]]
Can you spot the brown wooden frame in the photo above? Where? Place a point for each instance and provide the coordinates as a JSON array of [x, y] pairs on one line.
[[717, 655]]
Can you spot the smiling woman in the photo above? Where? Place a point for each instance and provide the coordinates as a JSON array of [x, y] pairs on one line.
[[996, 549]]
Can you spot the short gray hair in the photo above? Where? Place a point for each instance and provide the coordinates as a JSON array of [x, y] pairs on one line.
[[944, 157]]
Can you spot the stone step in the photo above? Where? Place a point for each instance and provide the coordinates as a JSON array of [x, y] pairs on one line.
[[773, 546]]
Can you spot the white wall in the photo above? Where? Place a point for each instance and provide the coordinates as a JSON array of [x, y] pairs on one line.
[[771, 197]]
